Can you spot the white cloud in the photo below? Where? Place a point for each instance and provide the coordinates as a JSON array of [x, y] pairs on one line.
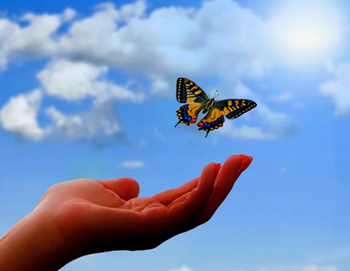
[[331, 254], [243, 132], [279, 124], [68, 15], [275, 124], [19, 116], [130, 11], [6, 30], [317, 268], [169, 41], [159, 46], [160, 85], [183, 268], [102, 120], [306, 268], [78, 80], [286, 96], [35, 39], [132, 164], [337, 89]]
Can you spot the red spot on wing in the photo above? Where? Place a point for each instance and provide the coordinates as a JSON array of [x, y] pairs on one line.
[[193, 120], [200, 124]]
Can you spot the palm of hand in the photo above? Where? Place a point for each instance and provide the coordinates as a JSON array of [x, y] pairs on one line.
[[98, 216]]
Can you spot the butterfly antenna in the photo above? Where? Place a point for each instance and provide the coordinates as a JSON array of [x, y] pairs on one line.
[[216, 95]]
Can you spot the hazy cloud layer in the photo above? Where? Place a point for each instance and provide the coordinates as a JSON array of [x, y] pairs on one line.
[[132, 164], [161, 45], [337, 89]]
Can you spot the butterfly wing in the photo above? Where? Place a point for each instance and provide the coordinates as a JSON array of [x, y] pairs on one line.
[[188, 113], [233, 108], [188, 91], [213, 120]]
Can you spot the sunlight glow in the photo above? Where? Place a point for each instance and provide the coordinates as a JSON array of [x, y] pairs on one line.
[[306, 32]]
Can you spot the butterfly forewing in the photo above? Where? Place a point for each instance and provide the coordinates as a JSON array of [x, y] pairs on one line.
[[188, 91], [233, 108]]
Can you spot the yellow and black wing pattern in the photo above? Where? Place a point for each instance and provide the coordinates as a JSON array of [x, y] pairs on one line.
[[197, 100], [233, 108], [188, 113], [213, 120], [187, 91]]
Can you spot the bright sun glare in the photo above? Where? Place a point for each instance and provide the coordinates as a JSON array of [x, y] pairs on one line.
[[306, 32]]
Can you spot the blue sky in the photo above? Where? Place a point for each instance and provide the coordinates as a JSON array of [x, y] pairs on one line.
[[87, 89]]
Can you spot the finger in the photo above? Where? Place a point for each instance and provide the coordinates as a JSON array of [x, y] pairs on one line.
[[246, 163], [126, 188], [225, 180], [169, 196], [179, 213]]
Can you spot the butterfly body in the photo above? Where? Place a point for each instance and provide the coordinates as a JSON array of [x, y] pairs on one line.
[[189, 92]]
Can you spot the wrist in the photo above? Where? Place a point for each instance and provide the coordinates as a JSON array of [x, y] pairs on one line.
[[34, 243]]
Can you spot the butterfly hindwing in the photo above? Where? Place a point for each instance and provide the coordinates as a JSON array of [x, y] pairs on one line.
[[188, 91], [213, 120], [233, 108], [188, 113]]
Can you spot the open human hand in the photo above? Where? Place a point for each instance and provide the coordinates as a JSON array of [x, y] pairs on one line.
[[96, 216], [85, 216]]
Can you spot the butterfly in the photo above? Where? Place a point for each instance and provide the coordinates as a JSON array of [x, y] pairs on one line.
[[189, 92]]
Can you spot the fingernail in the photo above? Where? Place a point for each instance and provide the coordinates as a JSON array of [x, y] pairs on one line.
[[217, 168], [250, 158], [242, 157]]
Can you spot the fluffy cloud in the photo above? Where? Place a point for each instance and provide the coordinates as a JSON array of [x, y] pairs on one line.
[[101, 120], [244, 132], [274, 124], [6, 29], [283, 97], [78, 80], [71, 81], [19, 116], [36, 39], [173, 40], [183, 268], [317, 268], [159, 46], [132, 164], [168, 41], [307, 268], [337, 89]]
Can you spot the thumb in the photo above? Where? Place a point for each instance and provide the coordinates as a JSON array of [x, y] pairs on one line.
[[126, 188]]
